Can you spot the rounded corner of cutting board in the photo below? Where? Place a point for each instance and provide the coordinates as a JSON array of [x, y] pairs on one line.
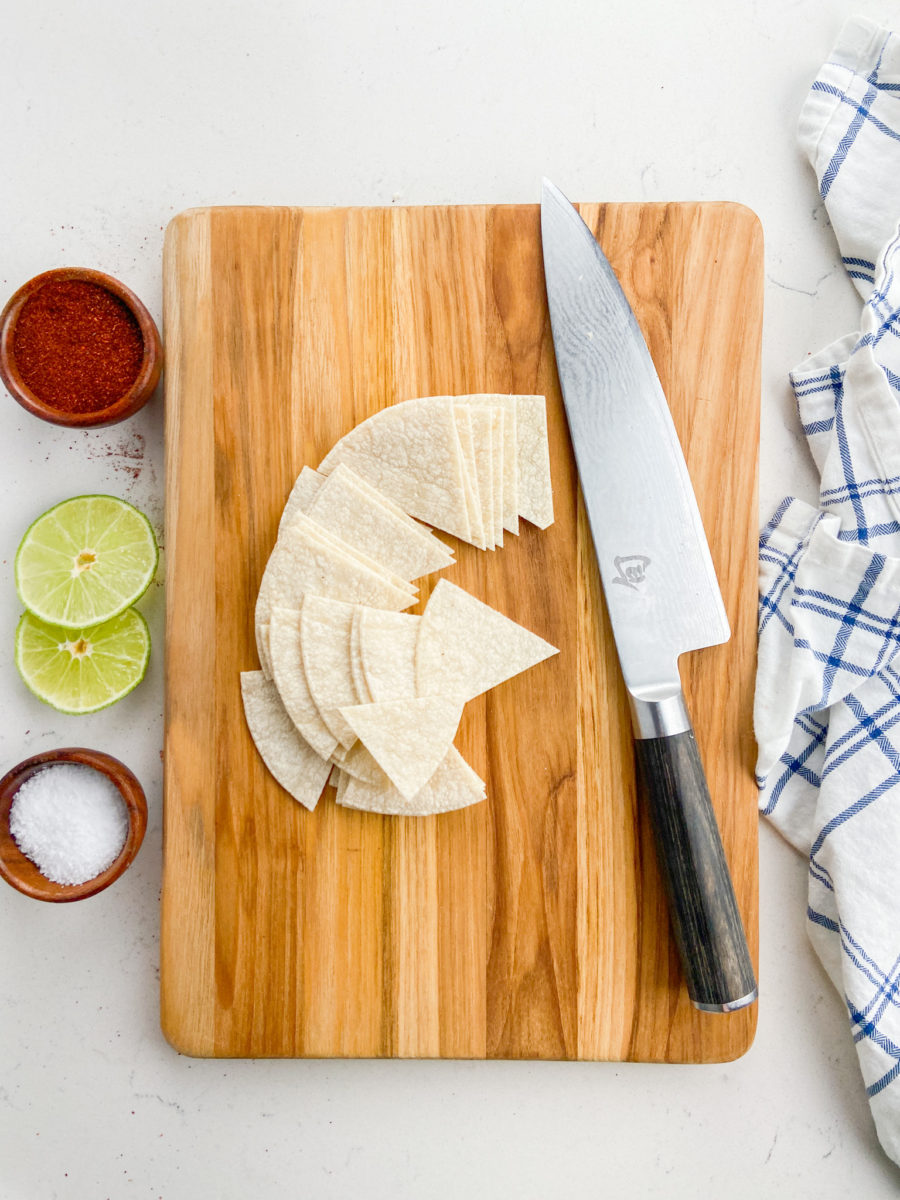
[[747, 221], [741, 1041], [745, 1043], [749, 217], [184, 1040], [182, 220]]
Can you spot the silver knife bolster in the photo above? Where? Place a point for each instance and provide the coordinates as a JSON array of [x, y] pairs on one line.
[[659, 717]]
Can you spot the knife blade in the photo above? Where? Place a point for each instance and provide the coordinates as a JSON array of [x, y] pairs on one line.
[[659, 586]]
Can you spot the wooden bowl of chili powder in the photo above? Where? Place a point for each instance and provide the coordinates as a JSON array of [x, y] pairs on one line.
[[78, 348]]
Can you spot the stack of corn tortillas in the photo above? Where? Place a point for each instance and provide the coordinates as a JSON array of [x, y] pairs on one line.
[[352, 688]]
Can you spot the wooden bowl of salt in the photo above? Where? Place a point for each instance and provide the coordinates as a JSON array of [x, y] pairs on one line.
[[38, 826]]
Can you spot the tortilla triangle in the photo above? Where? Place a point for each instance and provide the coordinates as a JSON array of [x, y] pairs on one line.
[[498, 425], [306, 559], [290, 759], [387, 647], [290, 679], [410, 452], [352, 512], [482, 445], [407, 738], [466, 435], [465, 647], [533, 461], [306, 485], [454, 785], [509, 404], [325, 646]]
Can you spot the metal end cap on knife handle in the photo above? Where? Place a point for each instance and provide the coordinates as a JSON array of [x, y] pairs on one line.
[[659, 718], [729, 1005]]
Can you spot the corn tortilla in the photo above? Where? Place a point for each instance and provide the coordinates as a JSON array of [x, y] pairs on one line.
[[454, 785], [410, 452], [291, 760], [289, 676], [466, 647], [407, 738]]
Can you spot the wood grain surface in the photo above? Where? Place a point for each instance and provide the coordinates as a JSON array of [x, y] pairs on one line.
[[533, 925]]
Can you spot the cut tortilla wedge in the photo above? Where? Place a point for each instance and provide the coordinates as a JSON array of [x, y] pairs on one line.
[[510, 463], [392, 507], [291, 760], [410, 452], [363, 695], [307, 560], [480, 419], [453, 785], [465, 433], [350, 511], [306, 485], [498, 420], [487, 419], [358, 763], [533, 459], [510, 451], [407, 738], [340, 546], [466, 647], [340, 784], [387, 647], [290, 679], [261, 630], [325, 647]]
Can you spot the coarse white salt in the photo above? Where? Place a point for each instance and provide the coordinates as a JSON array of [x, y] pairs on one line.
[[70, 820]]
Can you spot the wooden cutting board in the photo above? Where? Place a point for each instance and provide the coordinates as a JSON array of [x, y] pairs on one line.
[[533, 925]]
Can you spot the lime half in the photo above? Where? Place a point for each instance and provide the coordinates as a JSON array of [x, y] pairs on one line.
[[82, 670], [85, 561]]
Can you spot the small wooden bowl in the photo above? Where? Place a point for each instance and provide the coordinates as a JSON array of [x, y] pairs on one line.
[[21, 873], [127, 405]]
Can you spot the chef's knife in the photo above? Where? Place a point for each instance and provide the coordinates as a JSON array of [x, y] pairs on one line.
[[658, 581]]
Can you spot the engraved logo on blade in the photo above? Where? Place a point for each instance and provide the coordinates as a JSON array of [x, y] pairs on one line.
[[631, 568]]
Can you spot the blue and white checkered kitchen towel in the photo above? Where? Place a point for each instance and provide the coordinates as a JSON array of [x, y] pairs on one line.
[[827, 710]]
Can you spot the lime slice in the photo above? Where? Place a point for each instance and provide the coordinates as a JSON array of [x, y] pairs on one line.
[[82, 670], [85, 560]]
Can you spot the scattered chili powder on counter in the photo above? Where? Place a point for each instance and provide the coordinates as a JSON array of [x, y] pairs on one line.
[[77, 346]]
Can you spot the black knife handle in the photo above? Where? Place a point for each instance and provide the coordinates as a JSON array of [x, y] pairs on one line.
[[702, 905]]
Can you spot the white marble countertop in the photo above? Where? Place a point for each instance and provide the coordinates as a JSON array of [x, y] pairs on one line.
[[117, 116]]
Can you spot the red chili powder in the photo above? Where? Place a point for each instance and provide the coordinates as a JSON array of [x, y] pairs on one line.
[[77, 346]]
